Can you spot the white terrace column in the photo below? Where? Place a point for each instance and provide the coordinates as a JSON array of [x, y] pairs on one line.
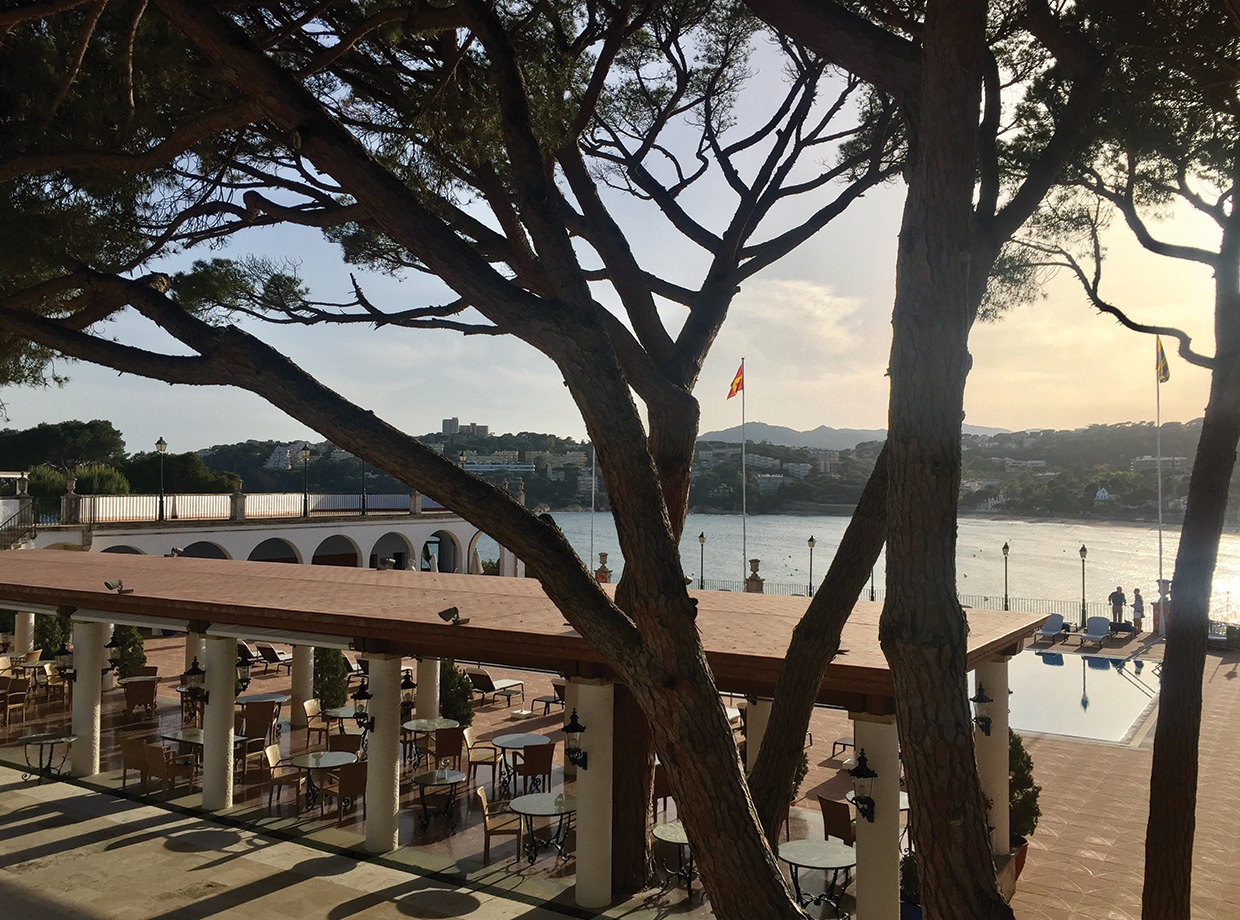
[[217, 722], [88, 658], [596, 703], [992, 751], [383, 755], [303, 684], [427, 702], [757, 714], [23, 632], [194, 648], [878, 844]]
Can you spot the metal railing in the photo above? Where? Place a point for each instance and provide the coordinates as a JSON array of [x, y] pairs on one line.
[[17, 527]]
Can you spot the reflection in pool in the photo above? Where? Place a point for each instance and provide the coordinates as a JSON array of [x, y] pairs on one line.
[[1088, 696]]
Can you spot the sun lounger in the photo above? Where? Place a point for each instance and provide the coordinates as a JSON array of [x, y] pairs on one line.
[[271, 655], [484, 684], [1052, 629], [1097, 629]]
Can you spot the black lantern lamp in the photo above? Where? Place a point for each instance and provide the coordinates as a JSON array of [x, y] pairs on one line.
[[863, 786], [981, 708], [572, 742], [195, 681], [811, 542], [702, 561], [361, 700], [64, 662], [407, 686], [114, 652], [1006, 548], [243, 670]]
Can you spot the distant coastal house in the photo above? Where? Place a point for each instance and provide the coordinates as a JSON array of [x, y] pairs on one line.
[[1101, 496]]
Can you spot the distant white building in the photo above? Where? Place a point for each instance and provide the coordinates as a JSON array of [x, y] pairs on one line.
[[770, 482], [286, 456], [797, 470], [1102, 495], [759, 462]]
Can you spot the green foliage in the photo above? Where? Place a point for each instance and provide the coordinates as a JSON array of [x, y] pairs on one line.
[[46, 482], [130, 654], [8, 621], [456, 693], [910, 887], [331, 679], [100, 479], [51, 632], [1022, 791], [181, 473], [63, 445]]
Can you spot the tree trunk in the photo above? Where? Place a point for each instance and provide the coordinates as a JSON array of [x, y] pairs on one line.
[[1167, 894], [631, 786], [923, 630]]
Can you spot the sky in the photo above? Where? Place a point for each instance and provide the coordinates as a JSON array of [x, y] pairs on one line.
[[814, 330]]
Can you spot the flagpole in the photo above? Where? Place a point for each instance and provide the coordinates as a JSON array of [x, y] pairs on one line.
[[744, 543], [593, 485], [1158, 443]]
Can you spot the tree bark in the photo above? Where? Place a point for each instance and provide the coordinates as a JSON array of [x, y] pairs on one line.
[[923, 629], [1167, 893], [631, 786]]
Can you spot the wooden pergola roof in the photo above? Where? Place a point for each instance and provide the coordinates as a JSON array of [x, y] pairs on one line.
[[512, 622]]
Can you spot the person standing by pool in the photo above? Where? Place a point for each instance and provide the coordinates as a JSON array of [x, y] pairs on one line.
[[1118, 600], [1138, 608]]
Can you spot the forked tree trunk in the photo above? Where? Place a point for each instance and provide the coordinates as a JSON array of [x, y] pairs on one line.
[[631, 785]]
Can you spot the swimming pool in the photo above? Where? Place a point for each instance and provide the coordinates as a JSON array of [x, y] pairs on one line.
[[1086, 696]]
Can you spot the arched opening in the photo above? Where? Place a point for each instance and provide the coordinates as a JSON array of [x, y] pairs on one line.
[[483, 553], [336, 550], [274, 550], [392, 546], [204, 550], [122, 548], [441, 553]]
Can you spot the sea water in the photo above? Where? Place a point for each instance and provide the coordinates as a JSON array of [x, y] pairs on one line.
[[1043, 562]]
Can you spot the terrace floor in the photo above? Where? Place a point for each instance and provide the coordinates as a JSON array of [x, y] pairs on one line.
[[80, 850]]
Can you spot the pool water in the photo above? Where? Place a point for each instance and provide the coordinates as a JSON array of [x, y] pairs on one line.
[[1086, 696]]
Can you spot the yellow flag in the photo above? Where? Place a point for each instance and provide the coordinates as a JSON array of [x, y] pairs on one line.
[[1160, 361]]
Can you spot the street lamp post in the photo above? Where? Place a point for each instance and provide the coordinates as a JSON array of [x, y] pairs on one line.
[[871, 585], [363, 459], [1005, 581], [305, 480], [1083, 610], [160, 446], [702, 561], [811, 565]]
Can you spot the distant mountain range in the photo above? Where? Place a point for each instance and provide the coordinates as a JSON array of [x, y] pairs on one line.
[[820, 437]]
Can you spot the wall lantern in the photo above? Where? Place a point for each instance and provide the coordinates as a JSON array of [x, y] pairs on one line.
[[572, 742], [114, 652], [981, 707], [361, 699], [64, 662], [243, 670], [195, 682], [863, 786]]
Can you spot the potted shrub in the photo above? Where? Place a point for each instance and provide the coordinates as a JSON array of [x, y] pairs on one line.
[[456, 693], [1022, 797], [331, 678], [129, 650], [910, 888]]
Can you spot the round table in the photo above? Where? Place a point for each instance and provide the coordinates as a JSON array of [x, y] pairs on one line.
[[544, 805], [320, 760], [425, 727], [46, 743], [514, 742], [830, 855], [430, 779], [674, 832]]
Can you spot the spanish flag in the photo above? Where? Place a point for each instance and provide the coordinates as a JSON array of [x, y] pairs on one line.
[[1160, 361], [738, 382]]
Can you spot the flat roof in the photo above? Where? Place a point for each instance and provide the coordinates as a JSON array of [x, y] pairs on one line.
[[512, 621]]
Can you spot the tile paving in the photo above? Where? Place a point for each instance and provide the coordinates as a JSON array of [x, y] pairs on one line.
[[78, 850]]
